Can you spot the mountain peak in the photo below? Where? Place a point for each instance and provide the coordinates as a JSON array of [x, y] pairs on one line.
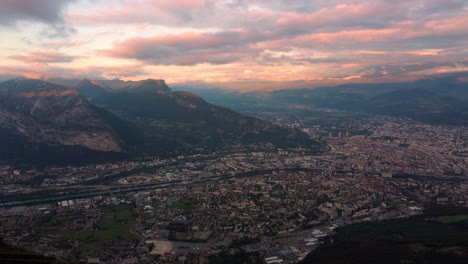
[[90, 89], [25, 87], [45, 115], [89, 82], [149, 85]]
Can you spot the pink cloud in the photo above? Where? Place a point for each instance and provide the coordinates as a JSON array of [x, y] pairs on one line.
[[43, 57], [341, 15], [62, 44], [177, 5], [44, 71], [186, 49], [151, 11], [451, 26], [360, 35], [285, 38]]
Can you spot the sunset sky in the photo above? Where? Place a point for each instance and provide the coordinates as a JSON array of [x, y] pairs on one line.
[[234, 42]]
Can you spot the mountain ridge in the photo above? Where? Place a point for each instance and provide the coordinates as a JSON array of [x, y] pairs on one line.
[[34, 108], [193, 120], [148, 119], [440, 100]]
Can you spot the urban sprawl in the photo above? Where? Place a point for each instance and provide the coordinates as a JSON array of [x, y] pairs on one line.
[[279, 203]]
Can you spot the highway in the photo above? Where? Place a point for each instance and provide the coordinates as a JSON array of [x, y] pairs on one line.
[[58, 195]]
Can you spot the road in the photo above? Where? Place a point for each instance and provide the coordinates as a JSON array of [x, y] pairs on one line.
[[55, 195]]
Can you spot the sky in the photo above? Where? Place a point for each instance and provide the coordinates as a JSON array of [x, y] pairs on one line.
[[241, 44]]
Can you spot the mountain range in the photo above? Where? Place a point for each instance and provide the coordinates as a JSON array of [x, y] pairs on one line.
[[86, 120], [436, 100]]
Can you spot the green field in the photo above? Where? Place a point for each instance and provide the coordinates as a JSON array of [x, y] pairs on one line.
[[181, 205], [56, 224], [453, 219], [395, 203], [116, 224]]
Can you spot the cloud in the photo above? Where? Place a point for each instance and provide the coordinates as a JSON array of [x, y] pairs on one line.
[[47, 11], [62, 44], [125, 71], [164, 12], [44, 71], [368, 14], [187, 48], [276, 39], [440, 6], [412, 68], [183, 9], [43, 57], [285, 25]]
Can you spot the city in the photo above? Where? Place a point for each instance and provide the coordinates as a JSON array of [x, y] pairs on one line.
[[277, 204]]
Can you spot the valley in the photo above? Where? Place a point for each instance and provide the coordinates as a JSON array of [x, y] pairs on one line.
[[388, 168]]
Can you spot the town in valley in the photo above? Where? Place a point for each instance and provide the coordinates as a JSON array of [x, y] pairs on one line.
[[273, 204]]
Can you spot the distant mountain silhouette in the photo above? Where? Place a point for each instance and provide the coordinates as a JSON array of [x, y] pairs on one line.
[[436, 100]]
